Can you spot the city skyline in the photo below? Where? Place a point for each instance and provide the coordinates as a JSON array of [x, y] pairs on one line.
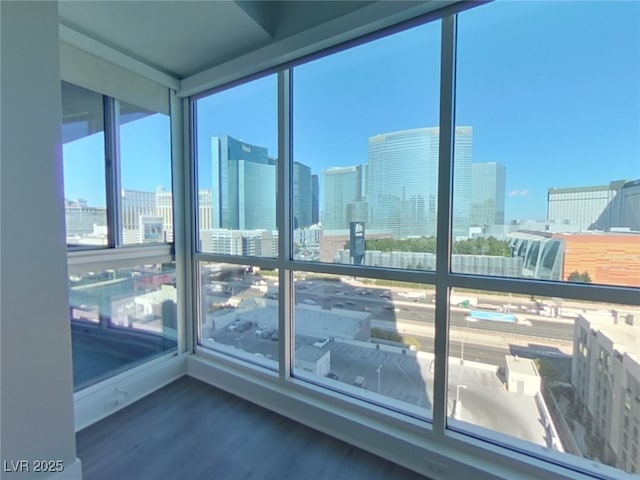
[[541, 146], [471, 186], [365, 204]]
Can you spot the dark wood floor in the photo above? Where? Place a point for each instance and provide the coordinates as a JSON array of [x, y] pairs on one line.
[[189, 431]]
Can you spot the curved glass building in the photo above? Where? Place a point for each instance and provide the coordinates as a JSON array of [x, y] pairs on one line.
[[402, 181]]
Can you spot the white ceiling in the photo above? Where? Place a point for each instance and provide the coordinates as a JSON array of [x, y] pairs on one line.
[[184, 37]]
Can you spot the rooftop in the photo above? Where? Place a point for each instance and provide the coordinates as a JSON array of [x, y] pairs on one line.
[[524, 366], [624, 336]]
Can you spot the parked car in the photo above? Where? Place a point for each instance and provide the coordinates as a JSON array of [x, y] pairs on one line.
[[261, 329], [360, 381], [244, 326], [267, 333]]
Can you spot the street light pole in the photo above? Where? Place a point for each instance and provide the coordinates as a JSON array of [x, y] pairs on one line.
[[378, 370], [455, 408]]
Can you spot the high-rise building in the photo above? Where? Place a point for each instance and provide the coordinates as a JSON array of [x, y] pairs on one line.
[[342, 188], [487, 193], [244, 182], [302, 195], [256, 196], [315, 199], [402, 181], [164, 209], [205, 209], [81, 219], [597, 207], [606, 379], [134, 204], [262, 243]]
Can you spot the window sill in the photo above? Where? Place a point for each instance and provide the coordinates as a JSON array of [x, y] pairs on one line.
[[82, 261], [401, 439]]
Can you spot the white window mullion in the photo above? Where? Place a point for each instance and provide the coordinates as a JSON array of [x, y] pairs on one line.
[[444, 229], [112, 170], [180, 175], [284, 224], [191, 224]]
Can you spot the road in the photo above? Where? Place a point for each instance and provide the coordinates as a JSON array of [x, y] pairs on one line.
[[386, 305], [397, 309]]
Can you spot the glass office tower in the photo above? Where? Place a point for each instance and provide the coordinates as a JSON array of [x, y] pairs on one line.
[[402, 181], [244, 179], [487, 191]]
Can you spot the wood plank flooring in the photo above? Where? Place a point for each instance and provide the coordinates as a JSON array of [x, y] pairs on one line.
[[189, 430]]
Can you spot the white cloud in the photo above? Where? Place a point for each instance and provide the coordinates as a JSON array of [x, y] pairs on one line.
[[521, 193]]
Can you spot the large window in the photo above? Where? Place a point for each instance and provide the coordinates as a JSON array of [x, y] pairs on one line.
[[117, 171], [365, 151], [146, 207], [457, 232], [84, 166], [121, 318], [117, 185], [239, 311], [237, 158], [551, 185]]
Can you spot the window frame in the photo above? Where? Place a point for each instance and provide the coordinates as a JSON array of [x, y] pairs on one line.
[[115, 254], [113, 188], [440, 430]]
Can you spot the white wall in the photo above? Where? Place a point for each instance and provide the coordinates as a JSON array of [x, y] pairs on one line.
[[37, 385]]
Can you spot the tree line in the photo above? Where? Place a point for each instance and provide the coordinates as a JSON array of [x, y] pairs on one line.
[[472, 246]]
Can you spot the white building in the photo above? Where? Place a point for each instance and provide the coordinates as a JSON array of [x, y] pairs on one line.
[[136, 203], [261, 243], [598, 207], [313, 360], [606, 376], [164, 209], [81, 220], [522, 375]]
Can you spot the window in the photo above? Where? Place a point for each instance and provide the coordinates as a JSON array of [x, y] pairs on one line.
[[118, 176], [146, 207], [117, 184], [237, 164], [83, 142], [121, 318], [239, 311], [365, 139], [444, 237], [531, 101]]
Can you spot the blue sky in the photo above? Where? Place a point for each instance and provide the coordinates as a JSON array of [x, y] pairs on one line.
[[551, 89]]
